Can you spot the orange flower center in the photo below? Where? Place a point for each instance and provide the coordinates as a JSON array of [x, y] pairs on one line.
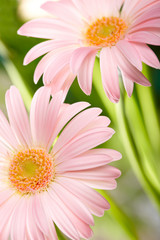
[[105, 32], [31, 170]]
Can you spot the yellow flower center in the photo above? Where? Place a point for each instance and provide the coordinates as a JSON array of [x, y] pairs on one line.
[[31, 170], [105, 32]]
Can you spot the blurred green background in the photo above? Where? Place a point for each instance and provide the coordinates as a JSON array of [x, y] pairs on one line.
[[134, 204]]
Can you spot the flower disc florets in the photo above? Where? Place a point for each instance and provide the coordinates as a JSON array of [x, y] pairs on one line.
[[31, 170], [105, 32]]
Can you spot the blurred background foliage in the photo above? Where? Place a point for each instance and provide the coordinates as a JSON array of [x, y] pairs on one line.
[[134, 204]]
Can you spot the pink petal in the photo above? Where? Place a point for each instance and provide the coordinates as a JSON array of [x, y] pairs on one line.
[[99, 122], [43, 116], [144, 37], [48, 62], [129, 51], [90, 159], [5, 194], [67, 114], [151, 23], [79, 122], [43, 48], [110, 152], [60, 60], [18, 225], [129, 70], [128, 7], [141, 7], [67, 12], [84, 142], [18, 116], [59, 79], [78, 57], [44, 223], [100, 177], [38, 111], [6, 213], [85, 73], [94, 173], [149, 13], [97, 173], [47, 28], [128, 84], [147, 55], [109, 73], [51, 119], [73, 203], [95, 202], [32, 231], [6, 131], [109, 184], [83, 9], [42, 65], [91, 9], [58, 212], [62, 81], [82, 228]]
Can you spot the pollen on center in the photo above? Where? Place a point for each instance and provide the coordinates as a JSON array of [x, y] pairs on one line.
[[31, 170], [105, 32]]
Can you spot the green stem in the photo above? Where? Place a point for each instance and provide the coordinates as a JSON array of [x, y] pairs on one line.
[[14, 76], [148, 109], [125, 222], [142, 142], [132, 154]]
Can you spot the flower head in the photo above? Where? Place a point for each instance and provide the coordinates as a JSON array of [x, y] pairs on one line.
[[45, 180], [118, 31]]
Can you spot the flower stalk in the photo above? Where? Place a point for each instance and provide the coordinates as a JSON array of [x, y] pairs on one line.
[[135, 134], [15, 76]]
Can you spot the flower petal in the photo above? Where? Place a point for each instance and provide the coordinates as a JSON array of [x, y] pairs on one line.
[[58, 212], [85, 73], [130, 52], [101, 177], [18, 116], [147, 55], [44, 47], [95, 202], [128, 84], [90, 159], [129, 70], [18, 225], [79, 122], [6, 213], [47, 28], [60, 60], [78, 57], [67, 114], [32, 231], [109, 73], [6, 131], [73, 203], [83, 142], [67, 12], [144, 37], [43, 116], [43, 222]]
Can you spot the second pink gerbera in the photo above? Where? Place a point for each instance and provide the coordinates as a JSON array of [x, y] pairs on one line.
[[45, 180], [117, 31]]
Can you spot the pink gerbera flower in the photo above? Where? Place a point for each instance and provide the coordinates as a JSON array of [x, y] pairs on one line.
[[44, 181], [116, 31]]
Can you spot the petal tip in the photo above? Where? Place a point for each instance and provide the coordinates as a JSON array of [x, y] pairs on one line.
[[20, 31]]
